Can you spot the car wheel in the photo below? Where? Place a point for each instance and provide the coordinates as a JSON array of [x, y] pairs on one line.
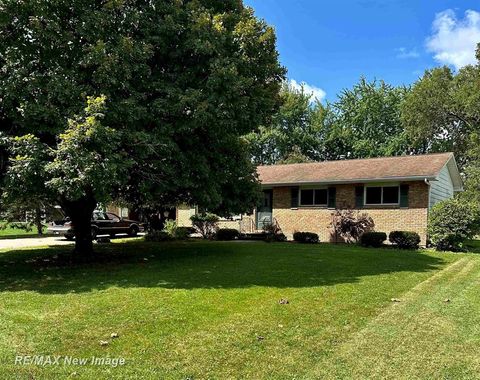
[[94, 233], [133, 231]]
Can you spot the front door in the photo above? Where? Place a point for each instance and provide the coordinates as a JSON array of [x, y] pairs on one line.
[[264, 209]]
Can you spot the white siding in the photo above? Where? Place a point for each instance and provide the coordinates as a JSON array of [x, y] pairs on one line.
[[442, 188]]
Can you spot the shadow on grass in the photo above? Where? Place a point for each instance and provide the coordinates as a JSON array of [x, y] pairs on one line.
[[192, 265], [473, 246]]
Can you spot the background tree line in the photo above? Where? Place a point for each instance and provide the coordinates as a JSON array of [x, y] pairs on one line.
[[440, 112]]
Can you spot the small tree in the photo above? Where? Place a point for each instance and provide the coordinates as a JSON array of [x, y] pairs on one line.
[[350, 225], [451, 222], [205, 224], [80, 171], [24, 189]]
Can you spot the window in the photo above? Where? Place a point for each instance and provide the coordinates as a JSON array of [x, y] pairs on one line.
[[306, 197], [382, 195], [390, 195], [313, 197], [374, 196]]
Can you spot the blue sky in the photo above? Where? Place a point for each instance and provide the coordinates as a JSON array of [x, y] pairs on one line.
[[330, 44]]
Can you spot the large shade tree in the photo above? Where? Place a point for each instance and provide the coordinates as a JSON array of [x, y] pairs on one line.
[[442, 112], [365, 122], [291, 132], [144, 101]]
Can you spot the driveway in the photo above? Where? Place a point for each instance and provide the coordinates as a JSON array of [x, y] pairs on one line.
[[33, 242], [44, 241]]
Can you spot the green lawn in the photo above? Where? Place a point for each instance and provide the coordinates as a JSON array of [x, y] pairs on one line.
[[210, 310], [11, 232]]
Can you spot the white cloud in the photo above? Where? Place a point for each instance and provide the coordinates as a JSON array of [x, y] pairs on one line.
[[316, 93], [453, 41], [404, 53]]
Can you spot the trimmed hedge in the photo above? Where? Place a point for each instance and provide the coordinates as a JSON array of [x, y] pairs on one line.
[[404, 239], [158, 236], [278, 237], [227, 234], [373, 239], [183, 233], [306, 237]]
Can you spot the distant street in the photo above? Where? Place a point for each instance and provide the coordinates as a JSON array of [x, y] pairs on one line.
[[45, 241], [33, 242]]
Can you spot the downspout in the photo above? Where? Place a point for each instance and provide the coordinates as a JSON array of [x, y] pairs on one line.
[[427, 182]]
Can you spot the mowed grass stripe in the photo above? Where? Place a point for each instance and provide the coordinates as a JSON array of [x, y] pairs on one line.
[[422, 337]]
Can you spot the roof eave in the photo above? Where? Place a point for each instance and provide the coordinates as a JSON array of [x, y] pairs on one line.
[[350, 181]]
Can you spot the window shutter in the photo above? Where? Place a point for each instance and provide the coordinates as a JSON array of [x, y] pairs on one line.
[[404, 195], [332, 197], [359, 196], [295, 193]]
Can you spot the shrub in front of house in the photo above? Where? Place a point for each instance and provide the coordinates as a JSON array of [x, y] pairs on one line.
[[273, 233], [183, 233], [170, 227], [278, 237], [373, 239], [350, 225], [175, 232], [205, 224], [404, 239], [451, 222], [158, 236], [226, 234], [306, 237]]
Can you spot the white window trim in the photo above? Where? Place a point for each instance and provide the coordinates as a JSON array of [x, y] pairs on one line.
[[381, 195], [312, 205]]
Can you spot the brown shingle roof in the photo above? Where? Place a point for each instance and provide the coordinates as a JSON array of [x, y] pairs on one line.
[[371, 169]]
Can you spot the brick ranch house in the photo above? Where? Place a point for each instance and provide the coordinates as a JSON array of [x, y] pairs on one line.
[[397, 192]]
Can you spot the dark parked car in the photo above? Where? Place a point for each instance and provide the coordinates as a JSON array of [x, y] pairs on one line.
[[103, 223]]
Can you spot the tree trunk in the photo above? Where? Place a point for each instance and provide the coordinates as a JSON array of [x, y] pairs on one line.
[[38, 220], [80, 213]]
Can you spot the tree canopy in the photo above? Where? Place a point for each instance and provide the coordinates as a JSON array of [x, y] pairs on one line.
[[442, 110], [363, 122], [172, 87], [291, 131]]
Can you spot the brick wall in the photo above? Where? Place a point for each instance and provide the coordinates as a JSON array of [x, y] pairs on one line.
[[387, 219]]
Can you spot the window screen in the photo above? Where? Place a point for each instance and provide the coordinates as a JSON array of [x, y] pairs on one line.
[[306, 197], [321, 197], [390, 194], [374, 195]]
